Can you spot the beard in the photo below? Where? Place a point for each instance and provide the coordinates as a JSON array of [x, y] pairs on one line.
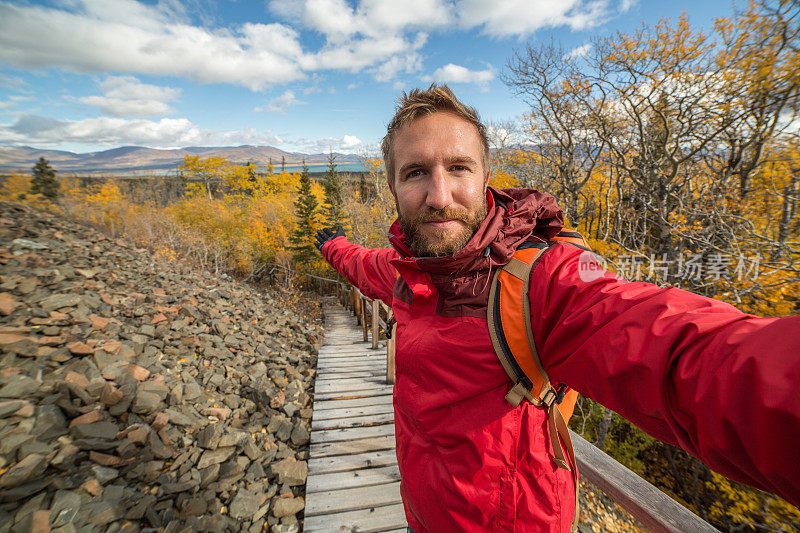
[[436, 242]]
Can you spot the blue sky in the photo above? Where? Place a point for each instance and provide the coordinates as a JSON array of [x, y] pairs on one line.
[[301, 75]]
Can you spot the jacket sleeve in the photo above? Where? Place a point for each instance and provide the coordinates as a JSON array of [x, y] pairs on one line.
[[689, 370], [367, 269]]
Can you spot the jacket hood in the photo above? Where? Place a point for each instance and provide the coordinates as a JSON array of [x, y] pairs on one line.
[[513, 216]]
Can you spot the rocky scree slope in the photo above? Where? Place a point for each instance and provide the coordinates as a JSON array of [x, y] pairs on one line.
[[139, 395]]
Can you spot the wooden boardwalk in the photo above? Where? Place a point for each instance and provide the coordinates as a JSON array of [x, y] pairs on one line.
[[353, 482]]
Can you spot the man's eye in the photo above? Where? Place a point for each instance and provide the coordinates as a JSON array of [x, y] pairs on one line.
[[414, 173], [459, 168]]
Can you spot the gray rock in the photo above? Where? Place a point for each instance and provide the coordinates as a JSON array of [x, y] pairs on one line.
[[209, 475], [155, 379], [102, 512], [195, 506], [244, 504], [300, 435], [57, 301], [19, 387], [128, 391], [158, 448], [64, 508], [31, 466], [10, 444], [50, 422], [287, 506], [290, 409], [209, 436], [192, 391], [291, 471], [212, 457], [233, 437], [155, 387], [9, 407], [95, 430], [146, 402], [34, 446], [180, 419], [104, 474], [250, 449], [285, 430]]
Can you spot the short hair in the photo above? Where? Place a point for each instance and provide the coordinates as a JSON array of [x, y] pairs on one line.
[[419, 103]]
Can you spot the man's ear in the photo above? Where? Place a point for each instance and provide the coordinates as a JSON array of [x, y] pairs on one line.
[[390, 182]]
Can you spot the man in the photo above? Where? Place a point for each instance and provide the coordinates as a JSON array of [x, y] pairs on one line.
[[689, 370]]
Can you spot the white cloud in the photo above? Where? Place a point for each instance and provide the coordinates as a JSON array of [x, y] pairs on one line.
[[400, 64], [14, 100], [107, 131], [350, 141], [119, 107], [579, 51], [12, 82], [280, 104], [504, 18], [345, 144], [338, 21], [126, 96], [129, 88], [452, 73], [125, 36], [384, 37]]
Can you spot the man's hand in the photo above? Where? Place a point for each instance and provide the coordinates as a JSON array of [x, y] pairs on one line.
[[324, 235]]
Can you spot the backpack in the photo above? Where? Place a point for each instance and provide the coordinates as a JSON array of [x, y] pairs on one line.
[[509, 319]]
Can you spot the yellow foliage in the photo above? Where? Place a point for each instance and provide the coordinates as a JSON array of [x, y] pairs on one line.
[[17, 187], [504, 180], [742, 506]]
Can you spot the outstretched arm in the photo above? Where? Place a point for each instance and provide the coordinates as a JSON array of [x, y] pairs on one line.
[[689, 370], [367, 269]]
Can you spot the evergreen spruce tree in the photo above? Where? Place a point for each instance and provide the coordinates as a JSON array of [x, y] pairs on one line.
[[44, 180], [305, 207], [333, 209]]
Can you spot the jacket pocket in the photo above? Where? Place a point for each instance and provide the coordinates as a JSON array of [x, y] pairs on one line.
[[505, 501]]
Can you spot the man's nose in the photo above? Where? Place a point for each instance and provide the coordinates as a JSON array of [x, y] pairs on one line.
[[439, 193]]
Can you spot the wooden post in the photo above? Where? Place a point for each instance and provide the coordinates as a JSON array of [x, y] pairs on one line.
[[390, 351], [375, 321], [364, 319]]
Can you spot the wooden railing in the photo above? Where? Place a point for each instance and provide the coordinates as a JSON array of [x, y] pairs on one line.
[[651, 507], [376, 313]]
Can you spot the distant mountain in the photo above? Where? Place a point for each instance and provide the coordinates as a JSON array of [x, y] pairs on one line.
[[141, 160]]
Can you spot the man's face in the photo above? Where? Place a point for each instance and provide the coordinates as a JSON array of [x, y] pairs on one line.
[[439, 184]]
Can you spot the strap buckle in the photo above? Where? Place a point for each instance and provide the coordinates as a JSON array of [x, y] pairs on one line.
[[549, 397], [561, 390], [390, 327]]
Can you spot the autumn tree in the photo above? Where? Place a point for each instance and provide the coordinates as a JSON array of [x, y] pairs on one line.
[[333, 208], [652, 139], [676, 153], [305, 208], [206, 175], [44, 180]]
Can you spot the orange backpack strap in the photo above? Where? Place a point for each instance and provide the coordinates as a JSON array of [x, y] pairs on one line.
[[509, 319]]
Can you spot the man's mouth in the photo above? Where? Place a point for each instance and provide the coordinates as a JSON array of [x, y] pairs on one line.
[[441, 223]]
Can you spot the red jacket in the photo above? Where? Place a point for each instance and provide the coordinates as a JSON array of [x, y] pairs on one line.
[[689, 370]]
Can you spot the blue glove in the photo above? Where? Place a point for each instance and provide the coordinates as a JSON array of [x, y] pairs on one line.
[[324, 235]]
